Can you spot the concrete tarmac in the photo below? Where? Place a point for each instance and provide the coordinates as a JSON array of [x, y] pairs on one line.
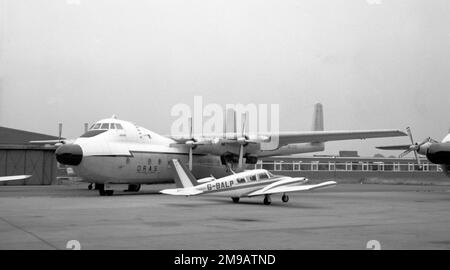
[[343, 217]]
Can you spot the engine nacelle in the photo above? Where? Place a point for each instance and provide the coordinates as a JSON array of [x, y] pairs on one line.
[[439, 153]]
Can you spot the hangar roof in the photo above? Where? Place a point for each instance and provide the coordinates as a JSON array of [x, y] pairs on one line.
[[10, 136]]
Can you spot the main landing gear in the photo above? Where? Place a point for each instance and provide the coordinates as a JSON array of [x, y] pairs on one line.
[[102, 191], [90, 186], [134, 187], [267, 200], [285, 198]]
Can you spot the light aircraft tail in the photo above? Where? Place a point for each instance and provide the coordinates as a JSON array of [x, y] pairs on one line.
[[183, 177]]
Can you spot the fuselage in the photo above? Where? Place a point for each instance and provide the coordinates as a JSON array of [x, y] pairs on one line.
[[244, 183]]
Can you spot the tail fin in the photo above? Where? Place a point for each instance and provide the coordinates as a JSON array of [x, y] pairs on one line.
[[318, 125], [183, 177], [318, 118]]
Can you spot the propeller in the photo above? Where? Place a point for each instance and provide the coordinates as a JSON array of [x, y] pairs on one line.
[[190, 143], [242, 141], [60, 142], [415, 147]]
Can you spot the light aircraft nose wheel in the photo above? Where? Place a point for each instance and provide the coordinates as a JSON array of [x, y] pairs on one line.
[[90, 187], [235, 199], [267, 200], [285, 198]]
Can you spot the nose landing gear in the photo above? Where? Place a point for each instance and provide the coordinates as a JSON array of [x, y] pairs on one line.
[[285, 198]]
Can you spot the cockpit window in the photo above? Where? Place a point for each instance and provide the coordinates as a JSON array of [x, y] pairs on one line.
[[119, 126], [113, 126], [263, 176], [240, 180], [92, 133], [96, 126], [105, 126]]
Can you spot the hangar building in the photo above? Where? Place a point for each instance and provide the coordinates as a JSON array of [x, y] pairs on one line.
[[18, 156]]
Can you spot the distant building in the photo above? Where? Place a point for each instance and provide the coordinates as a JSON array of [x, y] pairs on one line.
[[351, 169], [348, 154]]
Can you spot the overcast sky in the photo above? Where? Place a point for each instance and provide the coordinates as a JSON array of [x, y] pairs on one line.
[[372, 63]]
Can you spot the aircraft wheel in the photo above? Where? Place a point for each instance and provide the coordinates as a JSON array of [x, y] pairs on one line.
[[109, 192], [101, 189], [134, 187], [90, 187], [235, 199], [285, 198], [267, 200]]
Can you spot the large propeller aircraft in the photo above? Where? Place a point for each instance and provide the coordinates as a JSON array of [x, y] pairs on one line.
[[435, 151], [116, 154]]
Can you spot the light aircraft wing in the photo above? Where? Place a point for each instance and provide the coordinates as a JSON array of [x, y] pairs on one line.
[[181, 192], [291, 188], [14, 177], [395, 147]]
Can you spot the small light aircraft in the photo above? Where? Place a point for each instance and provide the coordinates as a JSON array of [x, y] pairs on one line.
[[436, 152], [250, 183]]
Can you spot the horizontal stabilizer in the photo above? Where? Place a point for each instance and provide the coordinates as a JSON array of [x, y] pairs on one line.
[[14, 177]]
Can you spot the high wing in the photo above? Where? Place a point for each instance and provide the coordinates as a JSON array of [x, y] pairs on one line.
[[291, 188], [325, 136], [395, 147], [292, 137], [14, 177]]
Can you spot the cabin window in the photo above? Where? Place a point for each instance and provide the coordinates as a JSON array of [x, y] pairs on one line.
[[119, 126], [240, 180], [105, 126], [263, 176], [113, 126], [252, 177]]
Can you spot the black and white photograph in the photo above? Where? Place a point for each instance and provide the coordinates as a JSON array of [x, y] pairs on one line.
[[245, 126]]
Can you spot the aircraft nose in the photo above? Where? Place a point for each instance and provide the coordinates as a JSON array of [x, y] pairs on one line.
[[69, 154]]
